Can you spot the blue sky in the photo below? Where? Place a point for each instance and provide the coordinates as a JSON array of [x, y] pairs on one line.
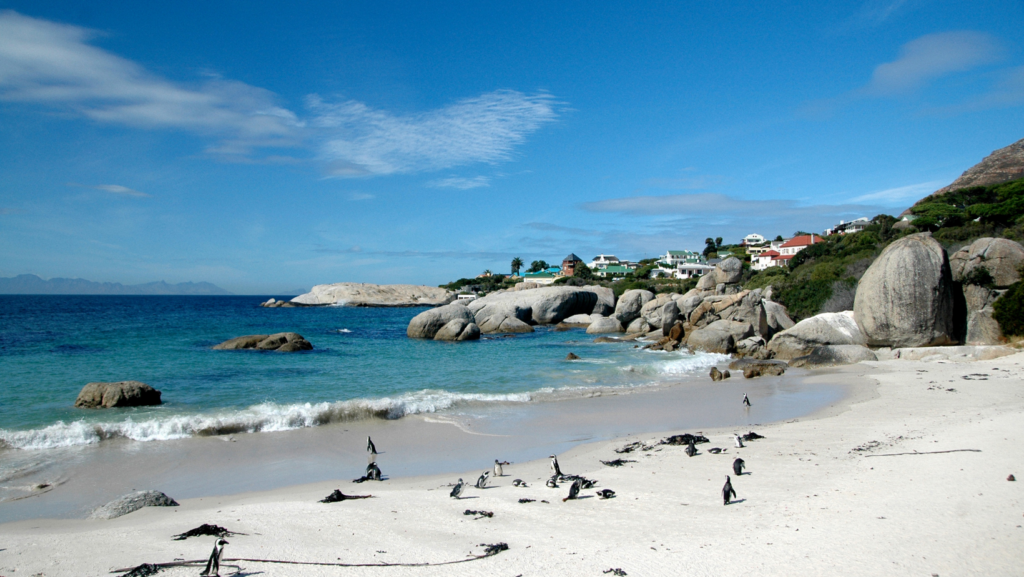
[[267, 148]]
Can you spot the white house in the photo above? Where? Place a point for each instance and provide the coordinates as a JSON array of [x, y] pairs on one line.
[[851, 227], [603, 260], [675, 257], [798, 243], [753, 238], [692, 269], [765, 260]]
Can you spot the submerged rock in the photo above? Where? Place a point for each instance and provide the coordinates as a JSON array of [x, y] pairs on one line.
[[120, 394], [280, 342], [133, 502]]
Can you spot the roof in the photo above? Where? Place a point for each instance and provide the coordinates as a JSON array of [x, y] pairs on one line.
[[803, 240], [769, 253], [783, 257], [606, 257], [542, 274], [572, 258], [616, 268], [680, 252]]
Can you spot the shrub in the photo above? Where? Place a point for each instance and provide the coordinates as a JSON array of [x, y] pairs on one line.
[[805, 299], [981, 277], [1009, 310]]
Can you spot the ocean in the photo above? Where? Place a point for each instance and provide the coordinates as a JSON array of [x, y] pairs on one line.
[[362, 367]]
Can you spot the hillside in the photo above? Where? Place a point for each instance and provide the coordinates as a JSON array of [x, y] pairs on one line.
[[1001, 166], [31, 284]]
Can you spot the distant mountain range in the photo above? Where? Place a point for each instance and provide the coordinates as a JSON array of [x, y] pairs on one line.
[[30, 284]]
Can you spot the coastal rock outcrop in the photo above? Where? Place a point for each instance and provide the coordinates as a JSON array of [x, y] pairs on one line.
[[719, 336], [729, 271], [458, 330], [905, 298], [1000, 256], [504, 324], [280, 342], [605, 325], [545, 305], [426, 324], [375, 295], [133, 502], [630, 304], [982, 329], [823, 329], [661, 311], [120, 394], [830, 355]]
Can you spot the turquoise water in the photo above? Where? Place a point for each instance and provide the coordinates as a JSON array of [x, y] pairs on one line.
[[362, 367]]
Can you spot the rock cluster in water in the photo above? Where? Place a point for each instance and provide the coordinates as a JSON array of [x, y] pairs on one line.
[[280, 342], [374, 295], [119, 394]]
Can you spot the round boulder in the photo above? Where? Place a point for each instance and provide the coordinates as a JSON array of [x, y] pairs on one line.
[[426, 324], [119, 394], [729, 271], [630, 303], [905, 298], [604, 326], [1002, 257]]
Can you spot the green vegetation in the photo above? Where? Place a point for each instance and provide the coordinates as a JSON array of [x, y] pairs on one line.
[[537, 266], [968, 213], [517, 265], [1009, 309], [483, 284]]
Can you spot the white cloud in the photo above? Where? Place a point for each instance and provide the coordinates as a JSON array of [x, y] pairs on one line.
[[118, 189], [930, 57], [901, 195], [460, 182], [362, 141], [361, 196], [52, 64]]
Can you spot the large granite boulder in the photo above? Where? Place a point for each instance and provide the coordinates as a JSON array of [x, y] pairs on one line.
[[831, 355], [580, 320], [542, 306], [905, 299], [777, 317], [458, 330], [119, 394], [504, 324], [605, 325], [729, 271], [280, 342], [426, 324], [688, 302], [823, 329], [630, 304], [376, 295], [708, 282], [133, 502], [638, 326], [719, 337], [605, 304], [982, 329], [1002, 257], [662, 310]]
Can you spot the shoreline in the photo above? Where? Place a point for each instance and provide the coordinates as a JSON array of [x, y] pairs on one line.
[[813, 500]]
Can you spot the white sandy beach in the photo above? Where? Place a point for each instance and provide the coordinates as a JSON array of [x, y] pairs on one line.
[[811, 503]]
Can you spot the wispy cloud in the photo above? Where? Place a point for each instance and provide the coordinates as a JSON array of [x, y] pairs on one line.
[[112, 188], [360, 196], [901, 195], [1008, 90], [55, 65], [876, 12], [929, 57], [460, 183], [362, 141]]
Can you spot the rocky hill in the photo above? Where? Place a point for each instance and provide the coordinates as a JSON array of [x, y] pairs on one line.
[[1000, 166], [374, 295]]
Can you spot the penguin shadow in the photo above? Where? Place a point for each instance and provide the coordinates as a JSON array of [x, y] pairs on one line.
[[243, 573], [468, 497], [735, 501]]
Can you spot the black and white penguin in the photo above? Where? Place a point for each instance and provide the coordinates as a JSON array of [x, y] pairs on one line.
[[737, 466], [482, 481], [691, 449], [746, 401], [370, 447], [727, 490], [574, 490], [373, 472], [606, 493], [518, 483], [457, 491], [498, 471], [551, 483], [213, 565], [739, 441], [554, 466]]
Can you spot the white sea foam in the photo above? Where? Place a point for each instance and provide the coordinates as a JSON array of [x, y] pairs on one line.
[[344, 331], [264, 417], [691, 364]]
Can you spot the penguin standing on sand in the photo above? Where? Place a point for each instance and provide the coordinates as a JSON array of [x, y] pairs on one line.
[[482, 481], [554, 466], [728, 490], [373, 472], [213, 565], [370, 447], [691, 449], [746, 401], [739, 441], [574, 490], [498, 471], [457, 491], [737, 466]]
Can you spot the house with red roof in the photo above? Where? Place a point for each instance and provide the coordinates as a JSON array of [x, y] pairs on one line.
[[763, 260], [786, 251], [798, 243]]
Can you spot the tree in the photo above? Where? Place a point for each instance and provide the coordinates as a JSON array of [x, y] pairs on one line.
[[537, 266], [582, 271], [710, 248], [718, 242], [487, 272], [778, 238], [517, 263]]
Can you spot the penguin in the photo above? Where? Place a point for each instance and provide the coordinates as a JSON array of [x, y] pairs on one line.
[[728, 490], [373, 472], [497, 468], [482, 481], [574, 490], [518, 483], [554, 466], [739, 441], [213, 565], [606, 493], [370, 447], [746, 401], [551, 484], [691, 450], [737, 466], [457, 491]]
